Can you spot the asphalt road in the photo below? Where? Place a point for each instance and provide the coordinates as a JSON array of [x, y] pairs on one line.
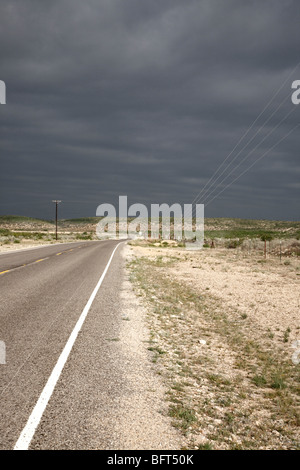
[[43, 293]]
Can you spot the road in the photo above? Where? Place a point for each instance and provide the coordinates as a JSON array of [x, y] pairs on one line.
[[43, 294]]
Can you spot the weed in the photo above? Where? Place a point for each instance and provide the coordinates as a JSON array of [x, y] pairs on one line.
[[286, 335], [278, 382], [183, 415], [259, 380], [205, 446]]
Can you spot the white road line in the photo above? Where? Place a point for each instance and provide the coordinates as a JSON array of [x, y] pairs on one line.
[[31, 248], [50, 244], [34, 419]]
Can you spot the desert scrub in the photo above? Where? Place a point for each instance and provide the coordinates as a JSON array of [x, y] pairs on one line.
[[232, 390], [84, 236]]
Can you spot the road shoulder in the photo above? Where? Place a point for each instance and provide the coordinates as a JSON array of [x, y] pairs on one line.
[[142, 421]]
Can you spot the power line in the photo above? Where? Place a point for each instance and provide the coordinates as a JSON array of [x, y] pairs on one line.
[[246, 145], [251, 151], [244, 135], [244, 159], [259, 158]]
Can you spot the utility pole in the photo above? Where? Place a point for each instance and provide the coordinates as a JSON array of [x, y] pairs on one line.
[[56, 204]]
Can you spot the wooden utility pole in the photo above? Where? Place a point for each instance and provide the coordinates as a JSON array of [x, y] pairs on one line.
[[56, 205]]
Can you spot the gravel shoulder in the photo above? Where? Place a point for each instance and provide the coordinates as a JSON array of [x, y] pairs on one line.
[[141, 422]]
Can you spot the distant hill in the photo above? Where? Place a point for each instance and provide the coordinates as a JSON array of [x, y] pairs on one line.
[[17, 222], [82, 220], [19, 218], [250, 228], [214, 227]]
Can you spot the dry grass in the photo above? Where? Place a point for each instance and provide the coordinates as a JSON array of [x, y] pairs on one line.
[[231, 382]]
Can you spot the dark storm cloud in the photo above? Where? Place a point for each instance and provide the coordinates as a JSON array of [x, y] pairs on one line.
[[146, 98]]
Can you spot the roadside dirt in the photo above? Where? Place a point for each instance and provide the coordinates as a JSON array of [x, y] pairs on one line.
[[141, 422], [20, 246], [223, 328]]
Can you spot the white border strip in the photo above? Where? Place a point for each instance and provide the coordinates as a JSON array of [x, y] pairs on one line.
[[34, 419]]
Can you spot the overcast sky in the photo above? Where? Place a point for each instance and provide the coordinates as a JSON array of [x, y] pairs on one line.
[[147, 98]]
